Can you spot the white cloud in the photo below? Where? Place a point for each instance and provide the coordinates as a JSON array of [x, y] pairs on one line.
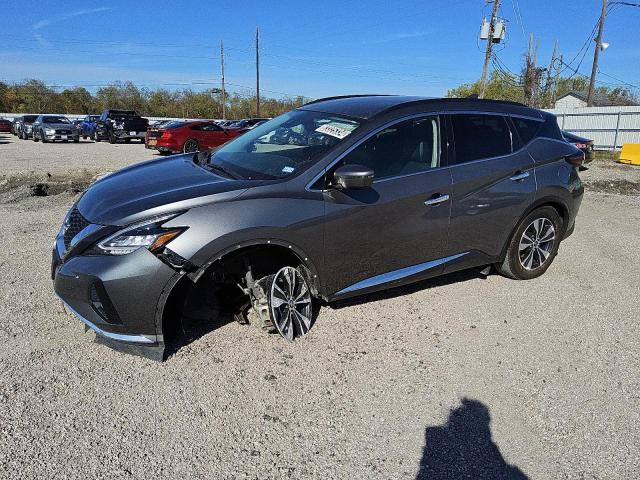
[[50, 21]]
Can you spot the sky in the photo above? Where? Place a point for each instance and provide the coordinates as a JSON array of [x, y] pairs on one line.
[[312, 48]]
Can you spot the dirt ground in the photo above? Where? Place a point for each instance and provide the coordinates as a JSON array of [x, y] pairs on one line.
[[457, 377]]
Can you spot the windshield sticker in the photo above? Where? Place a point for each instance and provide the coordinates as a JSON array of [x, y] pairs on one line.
[[288, 170], [333, 130]]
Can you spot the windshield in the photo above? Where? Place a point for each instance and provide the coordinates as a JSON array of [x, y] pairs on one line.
[[29, 118], [55, 120], [284, 146], [174, 124]]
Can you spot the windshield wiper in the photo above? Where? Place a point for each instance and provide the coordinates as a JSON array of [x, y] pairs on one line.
[[224, 171]]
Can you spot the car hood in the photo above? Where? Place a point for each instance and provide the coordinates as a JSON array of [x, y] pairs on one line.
[[153, 188], [58, 125]]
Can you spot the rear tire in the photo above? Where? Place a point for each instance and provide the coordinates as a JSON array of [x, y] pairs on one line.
[[112, 138], [533, 246], [34, 137], [190, 146]]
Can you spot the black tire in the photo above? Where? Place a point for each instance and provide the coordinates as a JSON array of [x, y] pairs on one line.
[[190, 146], [76, 140], [127, 140], [34, 137], [529, 256], [112, 138]]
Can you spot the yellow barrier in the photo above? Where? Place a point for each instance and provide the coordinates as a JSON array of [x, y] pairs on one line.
[[630, 154]]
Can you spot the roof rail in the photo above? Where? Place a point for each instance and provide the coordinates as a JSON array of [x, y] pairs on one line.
[[489, 100], [338, 97]]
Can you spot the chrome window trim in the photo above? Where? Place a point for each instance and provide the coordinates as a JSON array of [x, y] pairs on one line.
[[399, 274]]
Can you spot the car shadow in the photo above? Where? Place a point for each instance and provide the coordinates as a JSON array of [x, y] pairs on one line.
[[455, 277], [464, 448]]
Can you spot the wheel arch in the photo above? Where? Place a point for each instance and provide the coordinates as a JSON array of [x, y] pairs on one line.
[[267, 243], [548, 201], [175, 292]]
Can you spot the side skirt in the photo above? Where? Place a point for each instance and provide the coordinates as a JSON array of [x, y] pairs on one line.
[[400, 276]]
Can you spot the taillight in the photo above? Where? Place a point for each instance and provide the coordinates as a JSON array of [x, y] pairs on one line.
[[581, 146], [575, 159], [166, 134]]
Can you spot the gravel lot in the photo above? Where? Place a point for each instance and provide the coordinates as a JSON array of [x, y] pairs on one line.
[[460, 377]]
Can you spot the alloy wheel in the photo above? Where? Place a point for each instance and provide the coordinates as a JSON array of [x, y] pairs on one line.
[[190, 146], [536, 243], [290, 303]]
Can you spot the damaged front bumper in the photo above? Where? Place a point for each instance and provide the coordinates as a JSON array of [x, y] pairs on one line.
[[119, 297]]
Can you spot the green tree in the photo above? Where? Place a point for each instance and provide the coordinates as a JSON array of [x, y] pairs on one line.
[[77, 100]]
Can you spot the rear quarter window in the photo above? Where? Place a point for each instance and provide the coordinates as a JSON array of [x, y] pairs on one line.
[[527, 128], [550, 128]]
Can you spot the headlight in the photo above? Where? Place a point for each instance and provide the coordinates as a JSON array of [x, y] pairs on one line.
[[149, 234], [28, 128], [49, 131]]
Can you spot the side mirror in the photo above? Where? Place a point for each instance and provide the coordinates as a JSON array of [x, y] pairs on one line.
[[352, 177]]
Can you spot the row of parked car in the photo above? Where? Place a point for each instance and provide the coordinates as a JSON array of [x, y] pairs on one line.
[[166, 136]]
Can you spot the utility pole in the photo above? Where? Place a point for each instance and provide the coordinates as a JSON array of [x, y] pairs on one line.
[[487, 55], [224, 94], [556, 76], [596, 54], [257, 72], [548, 86]]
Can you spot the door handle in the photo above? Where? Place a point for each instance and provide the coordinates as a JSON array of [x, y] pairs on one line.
[[519, 176], [436, 200]]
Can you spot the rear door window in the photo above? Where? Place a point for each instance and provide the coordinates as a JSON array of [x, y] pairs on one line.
[[479, 136]]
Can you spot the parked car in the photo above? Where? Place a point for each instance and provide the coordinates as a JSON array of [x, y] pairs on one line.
[[88, 126], [50, 128], [225, 123], [584, 144], [188, 137], [116, 125], [367, 193], [25, 127], [5, 125], [247, 123], [15, 123]]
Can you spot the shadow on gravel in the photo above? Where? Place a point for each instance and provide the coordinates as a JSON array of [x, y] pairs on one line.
[[463, 448], [448, 279]]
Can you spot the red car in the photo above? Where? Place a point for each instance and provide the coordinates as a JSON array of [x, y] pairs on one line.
[[5, 126], [188, 136]]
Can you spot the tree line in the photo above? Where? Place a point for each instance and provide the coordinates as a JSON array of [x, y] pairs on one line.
[[506, 86], [540, 87], [34, 96]]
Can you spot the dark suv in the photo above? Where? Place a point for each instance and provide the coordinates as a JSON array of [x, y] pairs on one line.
[[116, 125], [340, 197]]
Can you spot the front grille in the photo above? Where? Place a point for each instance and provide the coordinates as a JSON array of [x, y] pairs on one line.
[[73, 224], [63, 132]]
